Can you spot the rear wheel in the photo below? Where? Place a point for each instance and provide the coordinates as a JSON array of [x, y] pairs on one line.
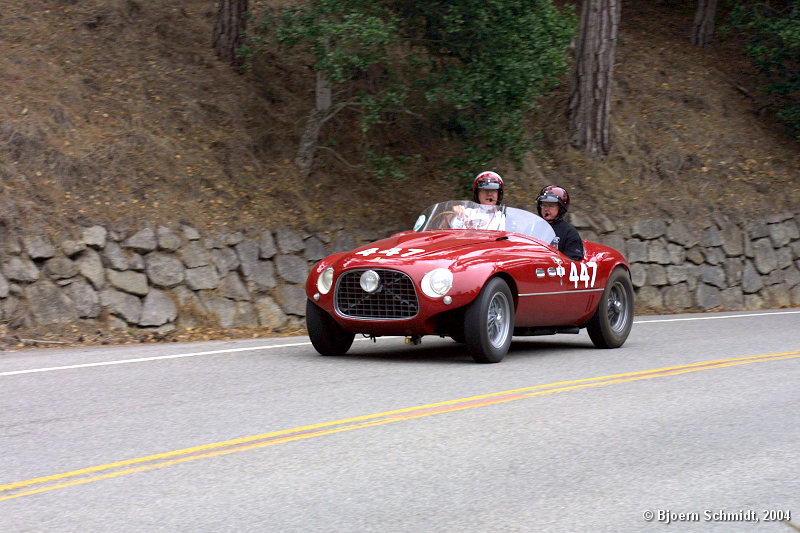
[[611, 323], [326, 335], [489, 322]]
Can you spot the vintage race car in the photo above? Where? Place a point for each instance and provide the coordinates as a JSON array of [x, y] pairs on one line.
[[478, 274]]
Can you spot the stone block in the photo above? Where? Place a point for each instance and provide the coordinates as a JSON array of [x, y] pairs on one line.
[[121, 304], [637, 251], [292, 268], [38, 247], [649, 229], [266, 242], [764, 257], [95, 236], [48, 304], [202, 278], [142, 241], [262, 277], [16, 268], [167, 240], [164, 270], [225, 259], [85, 298], [751, 280], [128, 281], [194, 255], [293, 299], [657, 252], [679, 233], [269, 313], [707, 297], [289, 240], [90, 265], [649, 298], [158, 309], [233, 288], [677, 297]]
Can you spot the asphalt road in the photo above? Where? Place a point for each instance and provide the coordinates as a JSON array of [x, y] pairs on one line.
[[694, 421]]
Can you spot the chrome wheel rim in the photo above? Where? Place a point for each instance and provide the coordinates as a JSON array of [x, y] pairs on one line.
[[497, 320], [619, 308]]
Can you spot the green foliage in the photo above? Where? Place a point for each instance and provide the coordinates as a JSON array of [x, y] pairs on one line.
[[470, 70], [346, 36], [772, 31], [490, 61]]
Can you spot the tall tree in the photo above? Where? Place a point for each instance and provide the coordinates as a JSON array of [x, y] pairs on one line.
[[229, 30], [468, 70], [590, 95], [703, 27]]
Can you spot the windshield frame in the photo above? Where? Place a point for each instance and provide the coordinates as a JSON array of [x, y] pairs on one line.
[[439, 216]]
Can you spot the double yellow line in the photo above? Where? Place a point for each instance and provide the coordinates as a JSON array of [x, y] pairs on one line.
[[152, 462]]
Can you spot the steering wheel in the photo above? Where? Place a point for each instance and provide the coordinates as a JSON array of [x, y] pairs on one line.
[[435, 221]]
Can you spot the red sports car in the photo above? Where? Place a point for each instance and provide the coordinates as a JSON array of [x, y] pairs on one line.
[[477, 273]]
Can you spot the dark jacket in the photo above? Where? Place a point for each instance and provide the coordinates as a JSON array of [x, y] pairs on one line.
[[567, 239]]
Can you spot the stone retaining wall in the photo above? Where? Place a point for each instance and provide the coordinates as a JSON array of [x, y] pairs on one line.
[[679, 266], [174, 277]]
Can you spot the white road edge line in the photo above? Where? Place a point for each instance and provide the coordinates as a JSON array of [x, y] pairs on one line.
[[154, 358], [659, 320], [294, 344]]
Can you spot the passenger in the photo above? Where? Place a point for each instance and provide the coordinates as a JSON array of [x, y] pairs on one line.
[[487, 189], [552, 205]]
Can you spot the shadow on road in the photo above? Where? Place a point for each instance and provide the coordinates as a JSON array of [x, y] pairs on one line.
[[449, 352]]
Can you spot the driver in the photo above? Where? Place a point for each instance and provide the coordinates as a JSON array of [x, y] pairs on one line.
[[487, 189], [552, 205]]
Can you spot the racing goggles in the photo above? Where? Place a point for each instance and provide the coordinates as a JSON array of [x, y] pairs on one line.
[[489, 183]]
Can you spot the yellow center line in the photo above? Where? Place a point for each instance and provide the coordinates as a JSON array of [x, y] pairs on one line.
[[151, 462]]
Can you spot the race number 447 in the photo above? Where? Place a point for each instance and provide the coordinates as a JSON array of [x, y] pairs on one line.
[[580, 273]]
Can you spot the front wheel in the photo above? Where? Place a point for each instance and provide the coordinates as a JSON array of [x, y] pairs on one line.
[[612, 322], [489, 323], [326, 335]]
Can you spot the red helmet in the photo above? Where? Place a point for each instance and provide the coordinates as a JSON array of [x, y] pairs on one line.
[[553, 193], [488, 180]]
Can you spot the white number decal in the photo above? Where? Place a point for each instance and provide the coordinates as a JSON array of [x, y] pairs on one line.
[[588, 281], [573, 274], [391, 251], [593, 266]]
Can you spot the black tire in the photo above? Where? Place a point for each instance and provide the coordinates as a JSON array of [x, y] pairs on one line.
[[326, 335], [611, 323], [489, 322]]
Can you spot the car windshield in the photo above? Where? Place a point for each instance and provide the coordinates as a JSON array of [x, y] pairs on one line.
[[463, 214]]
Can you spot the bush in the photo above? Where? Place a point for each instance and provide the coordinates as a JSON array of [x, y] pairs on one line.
[[772, 32]]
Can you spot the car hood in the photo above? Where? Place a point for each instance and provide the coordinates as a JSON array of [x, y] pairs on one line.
[[423, 246]]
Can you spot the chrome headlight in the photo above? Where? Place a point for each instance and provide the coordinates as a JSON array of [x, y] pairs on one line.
[[437, 282], [325, 280], [369, 281]]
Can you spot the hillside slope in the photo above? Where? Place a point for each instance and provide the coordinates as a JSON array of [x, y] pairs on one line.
[[118, 112]]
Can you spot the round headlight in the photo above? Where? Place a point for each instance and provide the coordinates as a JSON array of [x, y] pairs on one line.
[[369, 281], [437, 282], [325, 280]]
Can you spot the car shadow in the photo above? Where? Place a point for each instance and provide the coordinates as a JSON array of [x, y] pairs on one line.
[[456, 353]]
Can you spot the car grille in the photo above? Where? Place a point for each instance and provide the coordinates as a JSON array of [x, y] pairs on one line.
[[395, 297]]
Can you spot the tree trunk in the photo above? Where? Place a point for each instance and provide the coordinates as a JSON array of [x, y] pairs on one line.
[[310, 137], [590, 96], [703, 28], [229, 30]]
